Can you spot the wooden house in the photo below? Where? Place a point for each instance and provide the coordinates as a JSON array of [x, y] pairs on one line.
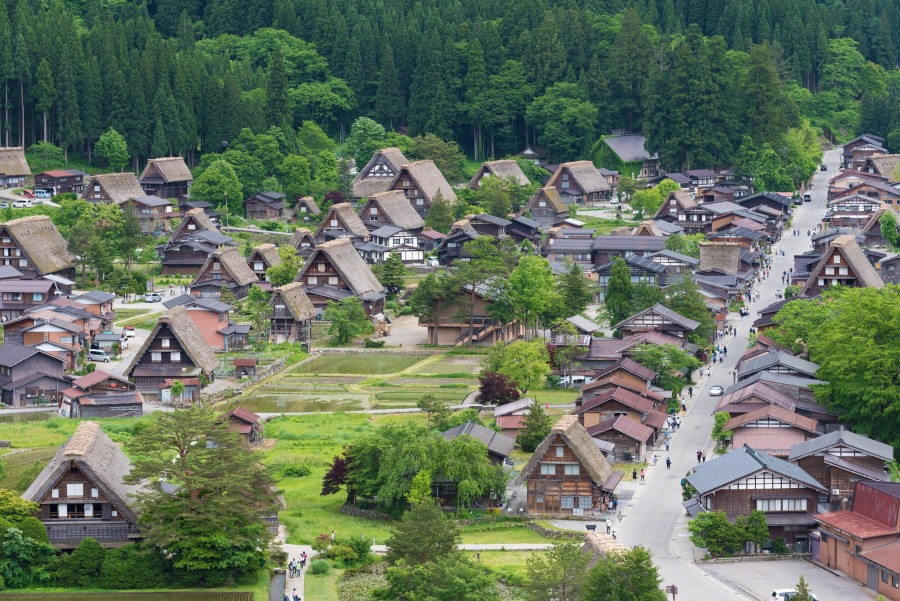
[[510, 417], [598, 403], [642, 270], [840, 458], [452, 246], [224, 268], [865, 139], [292, 314], [675, 263], [306, 208], [851, 178], [882, 164], [605, 248], [81, 493], [335, 271], [421, 182], [303, 241], [778, 361], [53, 335], [506, 169], [266, 206], [263, 257], [890, 269], [863, 542], [191, 244], [246, 423], [392, 239], [18, 296], [744, 480], [166, 177], [113, 188], [60, 181], [185, 205], [571, 250], [35, 247], [579, 182], [567, 474], [154, 213], [860, 154], [871, 230], [843, 263], [657, 318], [101, 394], [546, 207], [13, 167], [632, 374], [341, 221], [30, 377], [378, 174], [674, 204], [629, 436], [522, 228], [390, 208], [211, 317], [450, 324], [771, 429], [851, 211], [872, 189], [628, 154], [174, 350], [498, 446]]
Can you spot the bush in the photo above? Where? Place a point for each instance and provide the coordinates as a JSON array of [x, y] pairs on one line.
[[82, 567], [779, 547], [319, 567], [295, 471], [133, 566], [32, 528], [369, 343], [360, 544], [342, 554]]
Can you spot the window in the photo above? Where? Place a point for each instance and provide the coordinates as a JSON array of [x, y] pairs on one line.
[[548, 469], [572, 470], [62, 510], [585, 502], [54, 494], [258, 266], [884, 576], [156, 357], [165, 342], [567, 502], [88, 510], [895, 581], [539, 498], [332, 281], [96, 188], [334, 223], [420, 202], [373, 211], [37, 296], [75, 490], [775, 505], [175, 356], [842, 271], [858, 549], [321, 267], [837, 258], [559, 451], [312, 280], [95, 494], [191, 226], [114, 513], [542, 203]]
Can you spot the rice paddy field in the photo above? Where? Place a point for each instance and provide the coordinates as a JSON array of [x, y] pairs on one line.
[[354, 382]]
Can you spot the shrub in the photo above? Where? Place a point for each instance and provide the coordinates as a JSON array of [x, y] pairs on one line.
[[778, 546], [82, 567], [369, 343], [319, 567], [295, 471], [133, 566], [342, 554], [360, 544], [32, 528]]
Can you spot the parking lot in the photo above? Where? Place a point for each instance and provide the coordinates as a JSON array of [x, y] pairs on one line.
[[759, 578]]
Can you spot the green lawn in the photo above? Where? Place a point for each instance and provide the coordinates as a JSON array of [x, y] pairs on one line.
[[368, 363], [31, 434], [23, 467], [443, 365], [126, 314], [297, 403], [604, 226], [504, 562], [322, 587], [555, 396], [496, 536]]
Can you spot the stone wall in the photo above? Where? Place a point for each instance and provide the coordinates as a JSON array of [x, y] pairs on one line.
[[720, 255]]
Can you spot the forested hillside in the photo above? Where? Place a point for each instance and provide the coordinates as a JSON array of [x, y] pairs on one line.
[[181, 76]]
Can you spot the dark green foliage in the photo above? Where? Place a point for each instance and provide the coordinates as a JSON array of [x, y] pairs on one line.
[[134, 567], [81, 567], [32, 528], [626, 576], [319, 567], [424, 534], [536, 428]]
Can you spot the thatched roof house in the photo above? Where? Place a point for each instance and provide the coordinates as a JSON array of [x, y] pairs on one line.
[[303, 241], [292, 314], [166, 177], [295, 301], [378, 173], [42, 248], [391, 208], [116, 188], [844, 263], [307, 205], [340, 221], [263, 257], [13, 167], [599, 545], [883, 164], [573, 434], [579, 181], [88, 461], [334, 271], [421, 182], [224, 268], [506, 169], [196, 218]]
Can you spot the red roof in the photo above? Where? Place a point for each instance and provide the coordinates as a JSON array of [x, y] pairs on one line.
[[433, 234], [245, 362], [624, 425], [95, 377], [511, 422], [854, 524], [887, 556], [243, 415], [620, 395], [629, 365]]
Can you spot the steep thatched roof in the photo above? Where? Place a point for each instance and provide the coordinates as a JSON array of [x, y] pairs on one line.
[[855, 258], [551, 196], [12, 161], [349, 264], [310, 203], [585, 175], [200, 217], [41, 243], [502, 169], [233, 265], [885, 164], [302, 234], [97, 457], [396, 209], [168, 169], [118, 187], [368, 182], [188, 336], [579, 441], [347, 217], [268, 253], [600, 544], [429, 180], [295, 300]]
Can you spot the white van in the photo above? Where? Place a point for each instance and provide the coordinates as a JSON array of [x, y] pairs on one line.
[[96, 354], [43, 194], [152, 297]]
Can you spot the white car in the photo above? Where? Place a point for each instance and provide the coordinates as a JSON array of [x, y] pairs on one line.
[[786, 594], [716, 391], [21, 204]]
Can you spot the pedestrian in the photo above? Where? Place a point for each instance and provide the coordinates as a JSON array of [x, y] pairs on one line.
[[703, 455], [608, 526], [725, 350], [642, 475], [667, 446], [332, 536], [721, 359], [286, 598], [615, 502], [691, 391], [634, 474], [291, 568], [699, 455], [668, 463], [683, 408], [295, 596], [655, 460]]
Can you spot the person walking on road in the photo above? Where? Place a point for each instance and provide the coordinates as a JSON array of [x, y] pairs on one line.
[[634, 473], [699, 455], [642, 475], [703, 456], [668, 463], [691, 391], [608, 526]]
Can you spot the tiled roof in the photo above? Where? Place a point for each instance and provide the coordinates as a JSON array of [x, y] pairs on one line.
[[741, 463], [844, 438], [623, 425], [494, 441]]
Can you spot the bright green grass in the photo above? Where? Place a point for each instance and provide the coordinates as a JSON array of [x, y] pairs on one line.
[[141, 322], [504, 561], [452, 395], [314, 440], [368, 363], [498, 536], [21, 468], [303, 403], [126, 314], [555, 396], [604, 226], [321, 588], [31, 434], [442, 364]]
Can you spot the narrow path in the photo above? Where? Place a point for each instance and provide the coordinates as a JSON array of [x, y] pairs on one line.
[[295, 584]]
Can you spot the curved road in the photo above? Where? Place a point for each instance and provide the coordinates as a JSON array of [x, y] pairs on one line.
[[655, 518]]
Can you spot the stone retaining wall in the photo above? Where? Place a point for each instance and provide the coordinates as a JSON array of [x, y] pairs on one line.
[[365, 513], [261, 373], [756, 557]]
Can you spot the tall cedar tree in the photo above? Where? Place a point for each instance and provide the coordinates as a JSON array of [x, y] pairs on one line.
[[537, 426], [619, 292], [212, 524], [278, 110]]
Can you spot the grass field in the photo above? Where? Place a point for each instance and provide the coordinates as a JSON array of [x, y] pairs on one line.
[[22, 467], [31, 434], [127, 314], [369, 363], [556, 396], [504, 562], [323, 587], [441, 364], [511, 535]]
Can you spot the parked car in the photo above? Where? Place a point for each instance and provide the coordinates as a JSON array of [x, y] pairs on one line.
[[432, 261], [152, 297], [786, 594], [28, 193], [96, 354], [4, 205], [21, 204], [824, 167], [716, 391], [128, 332], [43, 194], [807, 198]]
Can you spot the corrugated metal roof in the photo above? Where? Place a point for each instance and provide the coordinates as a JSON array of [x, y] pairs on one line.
[[845, 438], [744, 462]]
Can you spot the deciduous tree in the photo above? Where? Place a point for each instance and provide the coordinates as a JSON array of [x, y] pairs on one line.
[[112, 147], [348, 320], [559, 574]]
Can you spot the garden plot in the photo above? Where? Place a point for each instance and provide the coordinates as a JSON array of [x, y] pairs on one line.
[[368, 363], [456, 364]]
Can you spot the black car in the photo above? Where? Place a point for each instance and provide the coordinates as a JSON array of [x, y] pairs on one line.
[[824, 167]]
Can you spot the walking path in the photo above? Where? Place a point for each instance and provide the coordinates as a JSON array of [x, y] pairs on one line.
[[295, 584]]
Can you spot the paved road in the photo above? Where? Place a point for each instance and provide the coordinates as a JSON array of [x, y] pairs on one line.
[[655, 517]]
